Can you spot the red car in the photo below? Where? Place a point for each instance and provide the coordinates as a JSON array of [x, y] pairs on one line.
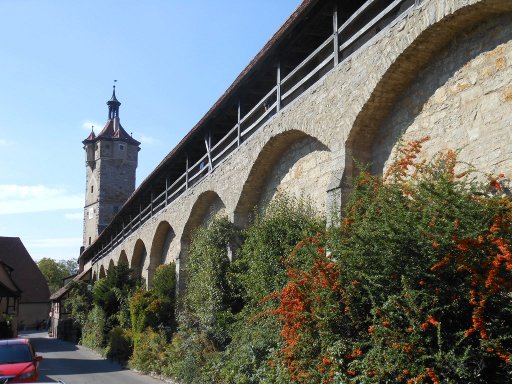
[[18, 361]]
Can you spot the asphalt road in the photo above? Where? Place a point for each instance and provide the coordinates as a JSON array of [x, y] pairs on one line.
[[75, 364]]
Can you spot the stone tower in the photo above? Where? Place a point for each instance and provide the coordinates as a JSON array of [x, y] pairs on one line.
[[111, 161]]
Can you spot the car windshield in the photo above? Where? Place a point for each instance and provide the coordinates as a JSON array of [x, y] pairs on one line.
[[15, 353]]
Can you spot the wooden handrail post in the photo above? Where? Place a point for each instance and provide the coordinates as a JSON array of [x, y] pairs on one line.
[[186, 172], [151, 204], [335, 32], [278, 97], [238, 130], [208, 143], [166, 190]]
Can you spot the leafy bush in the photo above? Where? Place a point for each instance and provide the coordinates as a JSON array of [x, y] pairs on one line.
[[79, 301], [120, 345], [93, 330], [148, 354], [415, 285], [207, 298], [260, 270], [112, 293]]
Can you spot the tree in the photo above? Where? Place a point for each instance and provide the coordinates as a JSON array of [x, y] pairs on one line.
[[56, 271]]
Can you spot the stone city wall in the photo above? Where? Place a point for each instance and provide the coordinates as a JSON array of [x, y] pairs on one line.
[[443, 70]]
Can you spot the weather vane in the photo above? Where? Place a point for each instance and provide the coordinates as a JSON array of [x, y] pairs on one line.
[[115, 81]]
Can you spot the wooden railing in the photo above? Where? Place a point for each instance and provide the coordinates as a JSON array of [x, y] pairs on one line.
[[335, 49]]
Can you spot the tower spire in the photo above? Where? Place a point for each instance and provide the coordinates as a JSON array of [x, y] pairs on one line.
[[113, 104]]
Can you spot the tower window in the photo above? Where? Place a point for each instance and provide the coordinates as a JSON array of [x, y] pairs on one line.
[[121, 147], [89, 241], [92, 188]]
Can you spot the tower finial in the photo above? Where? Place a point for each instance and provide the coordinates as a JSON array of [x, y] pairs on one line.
[[113, 104]]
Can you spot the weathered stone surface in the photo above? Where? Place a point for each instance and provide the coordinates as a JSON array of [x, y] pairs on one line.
[[443, 70]]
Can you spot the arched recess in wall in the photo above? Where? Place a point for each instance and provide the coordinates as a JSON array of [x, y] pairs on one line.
[[123, 258], [110, 266], [293, 162], [94, 276], [423, 93], [102, 272], [160, 247], [138, 258], [207, 206]]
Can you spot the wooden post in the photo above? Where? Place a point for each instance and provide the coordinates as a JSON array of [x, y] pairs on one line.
[[151, 205], [166, 190], [335, 36], [208, 143], [278, 102], [238, 126], [186, 173]]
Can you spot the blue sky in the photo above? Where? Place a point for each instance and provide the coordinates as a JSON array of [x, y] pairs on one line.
[[58, 59]]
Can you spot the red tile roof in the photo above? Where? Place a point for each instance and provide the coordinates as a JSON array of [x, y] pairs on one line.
[[26, 273], [114, 130]]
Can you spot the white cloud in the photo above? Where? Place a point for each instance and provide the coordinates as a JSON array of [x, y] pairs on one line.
[[147, 139], [36, 198], [86, 126], [74, 216]]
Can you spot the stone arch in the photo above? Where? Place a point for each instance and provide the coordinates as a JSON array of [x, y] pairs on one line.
[[368, 133], [298, 163], [138, 259], [94, 276], [111, 265], [207, 205], [102, 273], [123, 258], [160, 248]]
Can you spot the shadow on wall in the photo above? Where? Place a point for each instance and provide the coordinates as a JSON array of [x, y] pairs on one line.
[[425, 66], [440, 100], [272, 166]]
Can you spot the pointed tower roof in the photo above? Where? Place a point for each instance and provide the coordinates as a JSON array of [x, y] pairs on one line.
[[91, 137], [113, 130], [113, 104]]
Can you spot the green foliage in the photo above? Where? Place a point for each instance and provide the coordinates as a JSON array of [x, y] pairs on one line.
[[93, 330], [156, 307], [56, 271], [259, 269], [149, 353], [207, 300], [164, 281], [112, 295], [79, 301], [120, 345], [422, 262]]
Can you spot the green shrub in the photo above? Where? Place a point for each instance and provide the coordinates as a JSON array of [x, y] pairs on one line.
[[258, 271], [93, 331], [149, 353], [259, 267], [79, 301], [120, 345], [189, 358], [415, 286], [112, 292], [207, 298]]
